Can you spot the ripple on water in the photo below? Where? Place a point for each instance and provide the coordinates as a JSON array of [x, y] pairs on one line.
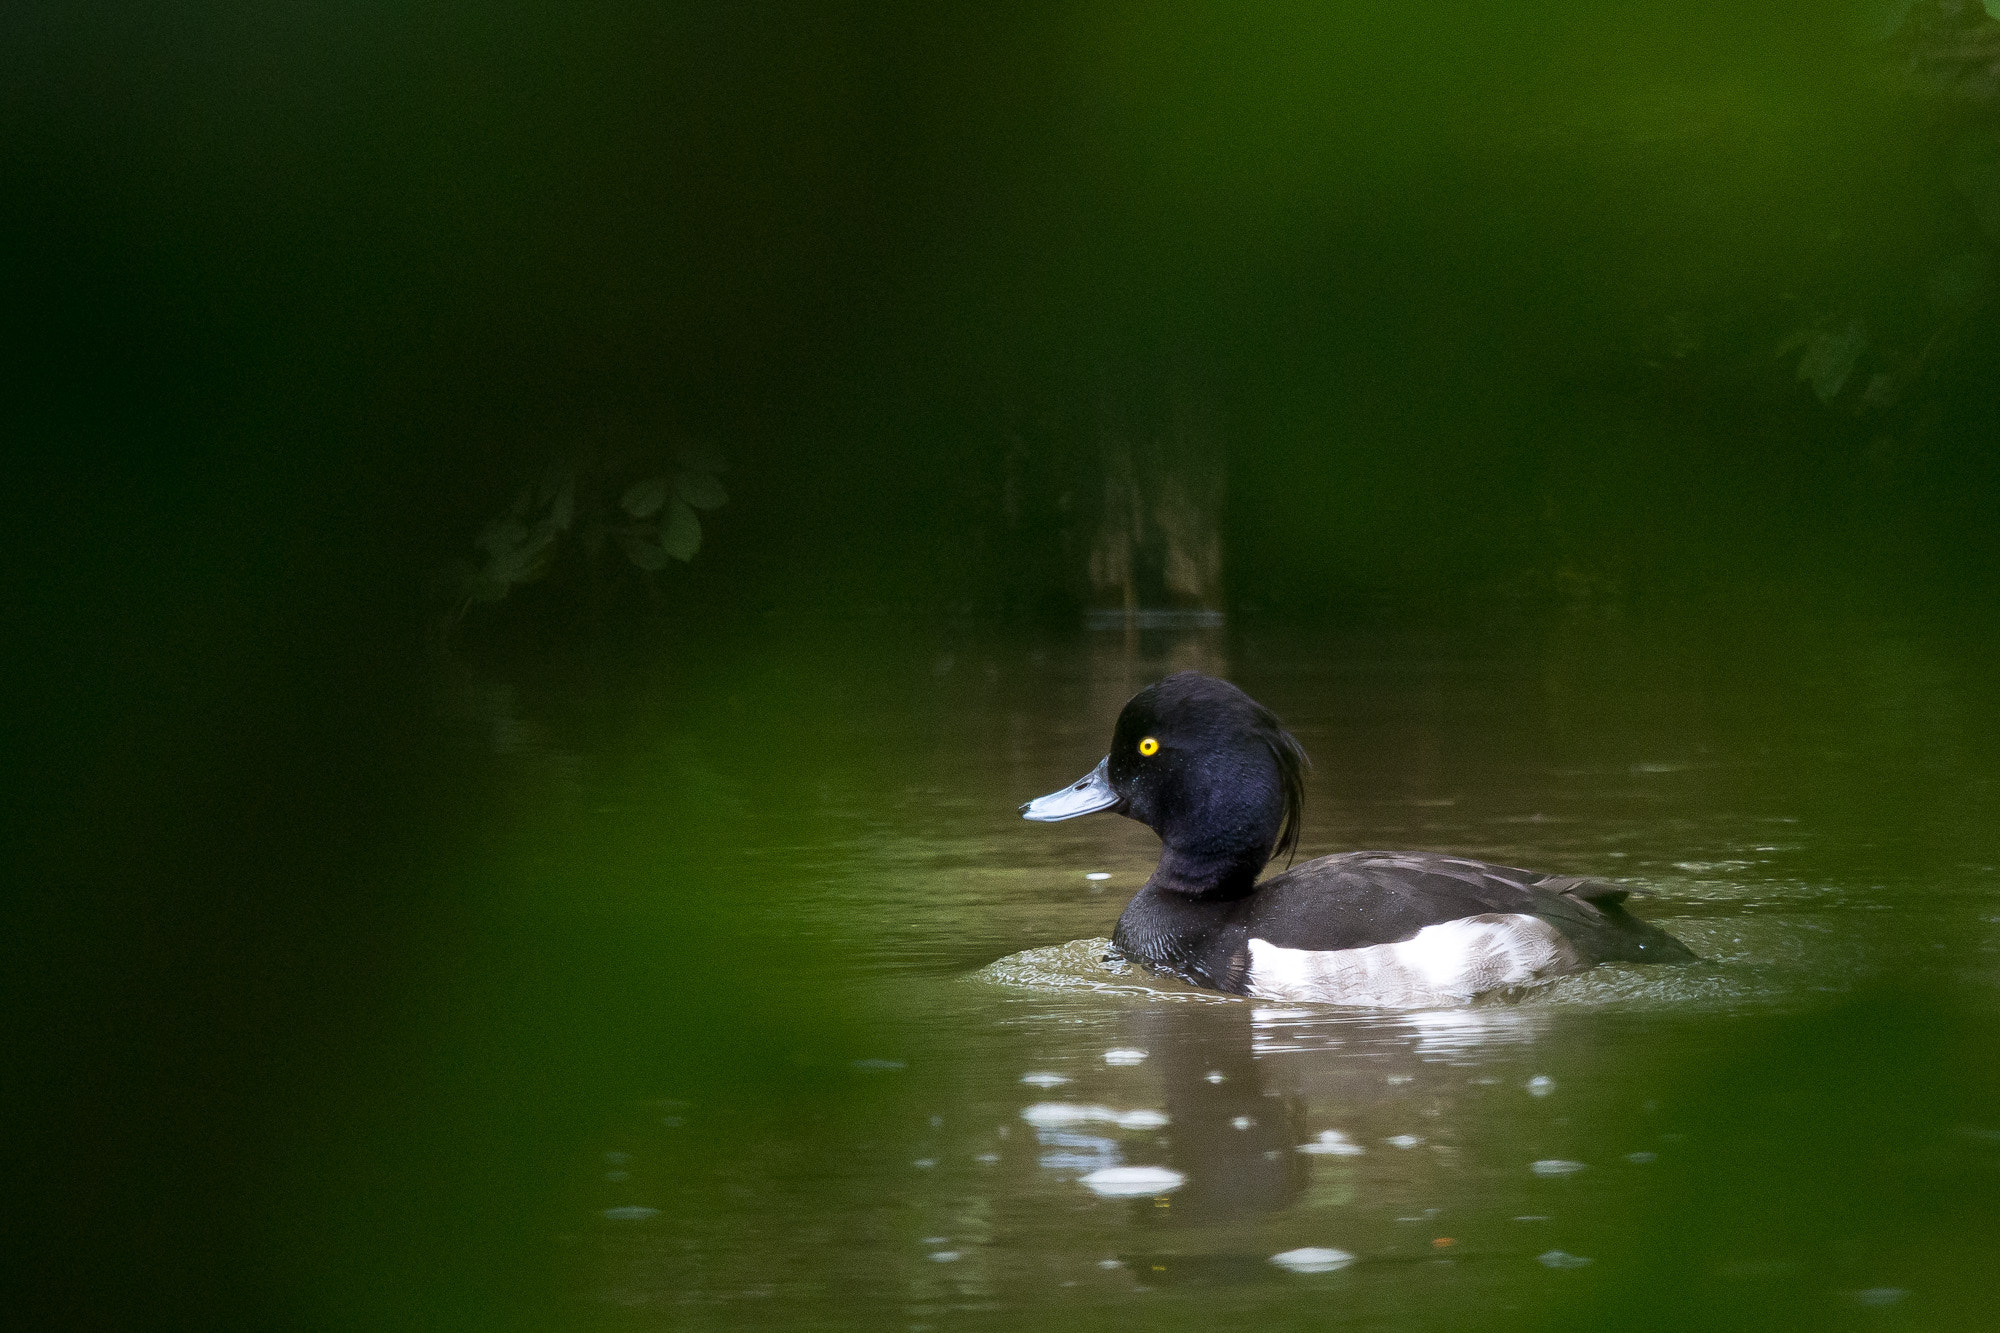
[[1333, 1143], [1554, 1166], [1087, 965], [1313, 1259], [1120, 1182], [1053, 1115], [1744, 963]]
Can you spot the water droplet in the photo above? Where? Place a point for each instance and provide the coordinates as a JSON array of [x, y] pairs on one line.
[[1056, 1115], [1120, 1182], [1313, 1259]]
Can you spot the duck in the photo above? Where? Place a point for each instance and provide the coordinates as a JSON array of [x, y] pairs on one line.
[[1215, 775]]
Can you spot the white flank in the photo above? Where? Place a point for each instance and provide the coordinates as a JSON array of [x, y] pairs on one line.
[[1445, 964]]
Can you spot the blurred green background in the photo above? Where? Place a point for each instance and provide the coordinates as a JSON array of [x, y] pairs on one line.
[[1451, 317]]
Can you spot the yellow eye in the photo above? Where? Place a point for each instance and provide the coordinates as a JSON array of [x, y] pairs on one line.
[[1149, 746]]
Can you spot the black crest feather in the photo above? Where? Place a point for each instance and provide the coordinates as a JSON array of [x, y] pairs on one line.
[[1292, 766]]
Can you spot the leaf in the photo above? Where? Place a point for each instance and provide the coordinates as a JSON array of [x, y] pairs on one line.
[[502, 537], [557, 475], [562, 509], [524, 562], [700, 489], [487, 589], [698, 457], [1886, 16], [647, 555], [1830, 358], [680, 532], [1958, 286], [643, 499], [1976, 175], [1992, 8]]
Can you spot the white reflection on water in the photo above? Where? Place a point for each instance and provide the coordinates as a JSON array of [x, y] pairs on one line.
[[1313, 1259], [1557, 1167], [1075, 1154], [1123, 1182], [1454, 1035], [1053, 1115]]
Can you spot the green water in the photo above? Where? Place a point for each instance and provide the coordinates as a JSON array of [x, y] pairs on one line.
[[737, 1038]]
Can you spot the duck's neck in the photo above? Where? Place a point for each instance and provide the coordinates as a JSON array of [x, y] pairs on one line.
[[1171, 923], [1213, 875]]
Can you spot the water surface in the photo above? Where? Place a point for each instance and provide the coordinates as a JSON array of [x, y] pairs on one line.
[[848, 1050]]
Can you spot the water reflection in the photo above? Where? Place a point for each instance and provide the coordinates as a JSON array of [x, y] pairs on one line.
[[1232, 1136], [1265, 1102], [1261, 1105], [892, 1166]]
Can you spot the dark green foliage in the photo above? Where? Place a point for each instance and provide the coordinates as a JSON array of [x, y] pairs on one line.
[[652, 522]]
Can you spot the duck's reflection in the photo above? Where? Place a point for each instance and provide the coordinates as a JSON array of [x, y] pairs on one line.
[[1265, 1102], [1235, 1139]]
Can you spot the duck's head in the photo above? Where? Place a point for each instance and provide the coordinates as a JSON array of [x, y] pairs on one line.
[[1207, 768]]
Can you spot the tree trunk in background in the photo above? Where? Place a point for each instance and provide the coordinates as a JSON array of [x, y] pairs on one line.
[[1106, 497], [1158, 538]]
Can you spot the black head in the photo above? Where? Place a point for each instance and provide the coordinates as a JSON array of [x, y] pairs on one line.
[[1211, 771]]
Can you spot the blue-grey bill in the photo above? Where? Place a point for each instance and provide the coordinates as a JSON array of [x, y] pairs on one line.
[[1087, 797]]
